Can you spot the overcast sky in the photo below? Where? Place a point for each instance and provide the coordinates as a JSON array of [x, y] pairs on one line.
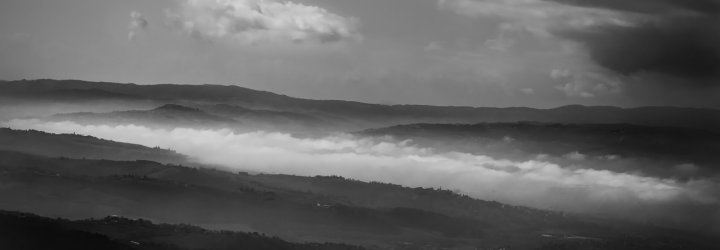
[[538, 53]]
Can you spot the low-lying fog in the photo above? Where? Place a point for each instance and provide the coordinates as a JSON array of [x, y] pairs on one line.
[[537, 183]]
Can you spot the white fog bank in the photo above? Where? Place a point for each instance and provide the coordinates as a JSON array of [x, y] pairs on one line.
[[532, 183]]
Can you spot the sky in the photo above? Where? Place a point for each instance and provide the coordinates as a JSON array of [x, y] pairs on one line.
[[536, 53]]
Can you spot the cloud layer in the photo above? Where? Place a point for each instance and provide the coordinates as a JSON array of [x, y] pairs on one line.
[[256, 21], [533, 183]]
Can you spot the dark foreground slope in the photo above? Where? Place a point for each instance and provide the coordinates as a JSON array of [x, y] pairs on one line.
[[213, 199], [22, 231], [319, 209], [356, 115]]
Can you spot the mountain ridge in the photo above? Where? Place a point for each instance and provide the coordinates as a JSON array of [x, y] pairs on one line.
[[367, 115]]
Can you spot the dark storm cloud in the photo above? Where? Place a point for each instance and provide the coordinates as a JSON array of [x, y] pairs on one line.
[[668, 41], [650, 6], [684, 48]]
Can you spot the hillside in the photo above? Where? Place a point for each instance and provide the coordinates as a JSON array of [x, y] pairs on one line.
[[22, 231], [295, 208], [216, 116], [169, 115], [79, 146], [362, 115], [659, 148], [673, 150], [86, 188]]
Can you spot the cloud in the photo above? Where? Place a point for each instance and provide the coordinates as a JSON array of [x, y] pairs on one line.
[[688, 48], [585, 84], [609, 157], [527, 91], [651, 6], [687, 167], [674, 38], [434, 46], [506, 37], [575, 156], [137, 24], [533, 182], [560, 73], [538, 16], [255, 21]]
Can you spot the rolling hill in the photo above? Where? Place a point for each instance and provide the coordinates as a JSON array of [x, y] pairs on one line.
[[296, 208], [169, 115], [78, 177], [23, 231], [332, 212], [360, 115], [216, 116], [659, 149], [79, 146], [299, 209]]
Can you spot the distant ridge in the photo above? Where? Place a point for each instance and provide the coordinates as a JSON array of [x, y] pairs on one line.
[[363, 115], [175, 107]]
